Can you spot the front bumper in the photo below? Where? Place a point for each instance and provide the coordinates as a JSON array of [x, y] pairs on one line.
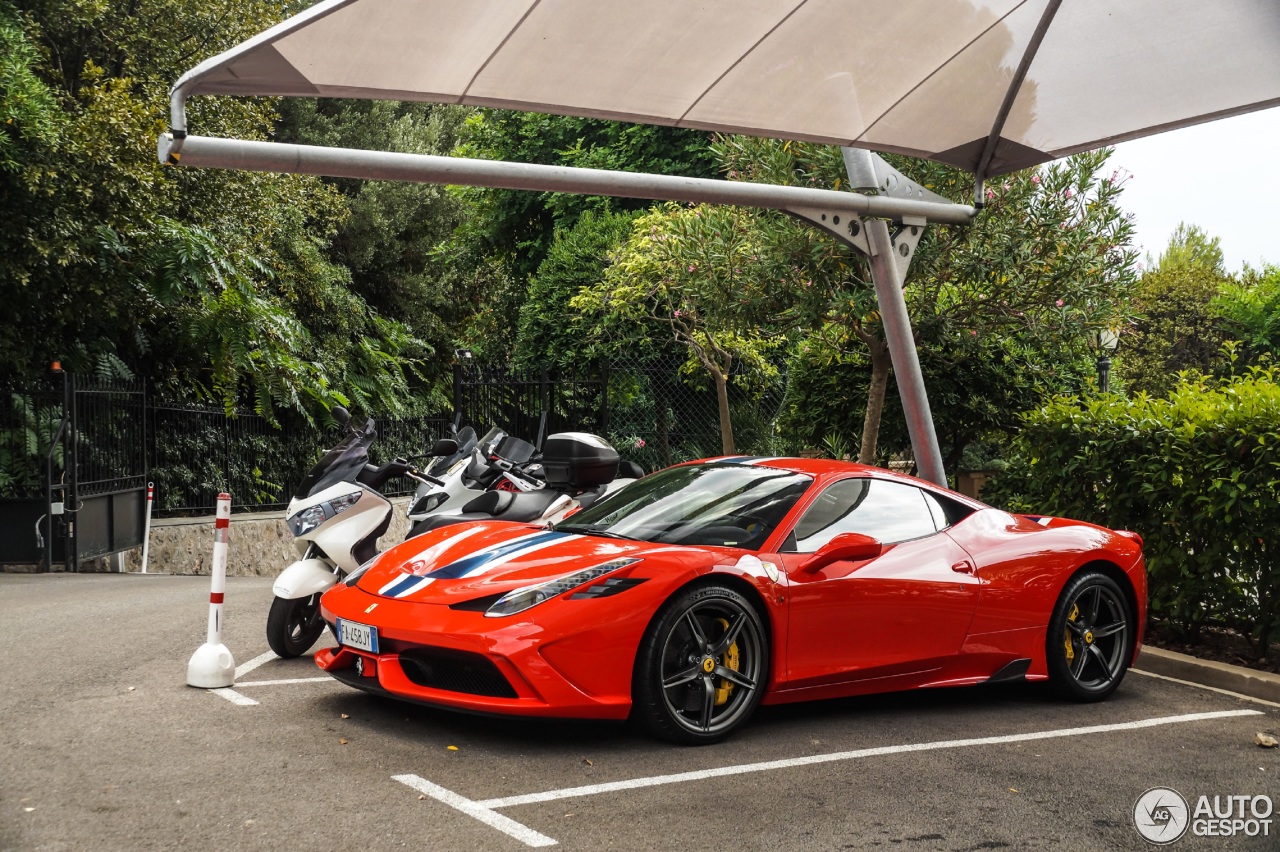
[[569, 659]]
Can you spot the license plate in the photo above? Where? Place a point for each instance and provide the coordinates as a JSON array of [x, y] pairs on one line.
[[357, 635]]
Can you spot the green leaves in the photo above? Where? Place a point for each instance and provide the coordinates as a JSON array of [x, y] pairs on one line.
[[1196, 473]]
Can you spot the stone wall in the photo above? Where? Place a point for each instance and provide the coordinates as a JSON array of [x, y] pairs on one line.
[[259, 544]]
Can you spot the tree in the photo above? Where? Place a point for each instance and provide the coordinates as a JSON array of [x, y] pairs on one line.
[[509, 232], [113, 262], [1177, 328], [686, 270], [1250, 311], [1045, 262]]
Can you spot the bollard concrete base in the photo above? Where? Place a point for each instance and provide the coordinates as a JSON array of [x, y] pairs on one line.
[[211, 667]]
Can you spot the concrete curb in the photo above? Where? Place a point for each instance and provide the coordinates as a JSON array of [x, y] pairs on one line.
[[1250, 682]]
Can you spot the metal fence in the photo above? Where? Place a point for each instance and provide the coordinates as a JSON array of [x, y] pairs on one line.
[[655, 411]]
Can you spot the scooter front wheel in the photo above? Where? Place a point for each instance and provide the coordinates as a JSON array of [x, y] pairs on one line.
[[294, 625]]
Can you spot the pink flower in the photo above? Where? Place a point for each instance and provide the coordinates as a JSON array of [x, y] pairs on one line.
[[991, 193], [691, 267], [1068, 193], [678, 314], [973, 332], [1035, 179], [639, 443], [1058, 303]]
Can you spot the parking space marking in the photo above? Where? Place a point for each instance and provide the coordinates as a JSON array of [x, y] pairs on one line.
[[244, 668], [488, 816], [324, 678], [484, 810], [234, 697], [1239, 695]]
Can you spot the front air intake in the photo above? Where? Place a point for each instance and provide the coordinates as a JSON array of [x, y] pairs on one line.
[[455, 671]]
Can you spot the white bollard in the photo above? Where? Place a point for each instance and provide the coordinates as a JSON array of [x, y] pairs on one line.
[[146, 527], [212, 666]]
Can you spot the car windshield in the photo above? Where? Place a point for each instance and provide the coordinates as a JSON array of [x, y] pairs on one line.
[[715, 503]]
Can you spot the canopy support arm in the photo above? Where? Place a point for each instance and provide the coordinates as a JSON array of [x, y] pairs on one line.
[[889, 263], [1010, 95], [209, 152]]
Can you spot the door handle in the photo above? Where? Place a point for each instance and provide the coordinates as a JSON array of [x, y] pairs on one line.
[[964, 566]]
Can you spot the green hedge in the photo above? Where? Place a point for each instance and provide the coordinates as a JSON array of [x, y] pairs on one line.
[[1197, 474]]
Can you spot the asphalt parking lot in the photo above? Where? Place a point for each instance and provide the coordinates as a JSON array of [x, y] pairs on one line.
[[105, 747]]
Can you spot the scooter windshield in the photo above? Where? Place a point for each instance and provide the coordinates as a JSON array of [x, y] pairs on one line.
[[343, 463]]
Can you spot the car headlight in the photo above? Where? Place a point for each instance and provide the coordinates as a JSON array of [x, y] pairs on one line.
[[519, 600], [313, 516]]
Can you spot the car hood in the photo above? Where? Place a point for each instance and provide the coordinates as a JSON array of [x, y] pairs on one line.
[[466, 561]]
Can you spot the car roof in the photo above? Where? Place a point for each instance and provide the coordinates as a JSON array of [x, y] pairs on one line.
[[832, 467]]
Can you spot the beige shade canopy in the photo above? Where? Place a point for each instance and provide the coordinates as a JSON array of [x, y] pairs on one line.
[[950, 80]]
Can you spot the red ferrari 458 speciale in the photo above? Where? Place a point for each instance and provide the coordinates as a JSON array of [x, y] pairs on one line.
[[689, 597]]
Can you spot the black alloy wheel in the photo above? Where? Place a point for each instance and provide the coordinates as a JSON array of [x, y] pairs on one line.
[[294, 625], [1090, 639], [702, 666]]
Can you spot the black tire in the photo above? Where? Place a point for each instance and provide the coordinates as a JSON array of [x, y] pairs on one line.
[[702, 666], [294, 625], [1090, 639]]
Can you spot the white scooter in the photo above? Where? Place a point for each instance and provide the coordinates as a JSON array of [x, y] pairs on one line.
[[336, 516], [579, 469]]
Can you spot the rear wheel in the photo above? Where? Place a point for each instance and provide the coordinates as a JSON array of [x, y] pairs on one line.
[[1090, 639], [702, 666], [294, 625]]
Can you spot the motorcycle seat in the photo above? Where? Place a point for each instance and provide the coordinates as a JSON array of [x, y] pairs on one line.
[[496, 506]]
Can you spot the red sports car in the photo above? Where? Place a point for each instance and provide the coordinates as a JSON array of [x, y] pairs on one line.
[[689, 597]]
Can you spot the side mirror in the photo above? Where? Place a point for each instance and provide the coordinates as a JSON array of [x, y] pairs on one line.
[[444, 447], [341, 415], [846, 546]]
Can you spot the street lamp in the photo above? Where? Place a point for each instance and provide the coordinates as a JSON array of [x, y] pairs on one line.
[[1105, 342]]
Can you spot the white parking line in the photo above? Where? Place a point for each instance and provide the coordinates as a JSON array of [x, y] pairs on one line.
[[324, 678], [506, 825], [234, 697], [244, 668], [484, 810]]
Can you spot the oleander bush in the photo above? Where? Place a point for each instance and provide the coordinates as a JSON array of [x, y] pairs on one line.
[[1196, 474]]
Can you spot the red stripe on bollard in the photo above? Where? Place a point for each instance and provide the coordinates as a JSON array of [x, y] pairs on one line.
[[215, 597], [221, 523]]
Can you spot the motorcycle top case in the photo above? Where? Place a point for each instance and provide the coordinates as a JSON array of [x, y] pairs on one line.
[[578, 460]]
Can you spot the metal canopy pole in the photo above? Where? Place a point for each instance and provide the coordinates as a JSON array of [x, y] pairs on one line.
[[887, 277], [210, 152]]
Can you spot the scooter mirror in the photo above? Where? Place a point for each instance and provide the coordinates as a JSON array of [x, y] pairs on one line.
[[341, 415], [444, 447]]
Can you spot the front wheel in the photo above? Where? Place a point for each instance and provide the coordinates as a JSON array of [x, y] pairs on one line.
[[702, 666], [294, 625], [1090, 639]]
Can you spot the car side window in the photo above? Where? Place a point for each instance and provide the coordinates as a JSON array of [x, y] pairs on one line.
[[887, 511]]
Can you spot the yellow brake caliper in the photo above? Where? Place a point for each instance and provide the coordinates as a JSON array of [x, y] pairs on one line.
[[730, 662], [1066, 633]]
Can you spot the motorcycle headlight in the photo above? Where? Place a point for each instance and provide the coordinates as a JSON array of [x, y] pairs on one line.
[[346, 501], [519, 600], [313, 516], [307, 520]]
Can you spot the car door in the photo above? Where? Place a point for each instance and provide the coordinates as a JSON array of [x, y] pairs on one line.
[[907, 610]]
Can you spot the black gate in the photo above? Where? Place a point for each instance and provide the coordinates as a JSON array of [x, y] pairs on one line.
[[73, 471], [525, 402]]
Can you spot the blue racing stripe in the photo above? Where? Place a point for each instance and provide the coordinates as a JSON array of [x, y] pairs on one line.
[[403, 586], [477, 561]]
